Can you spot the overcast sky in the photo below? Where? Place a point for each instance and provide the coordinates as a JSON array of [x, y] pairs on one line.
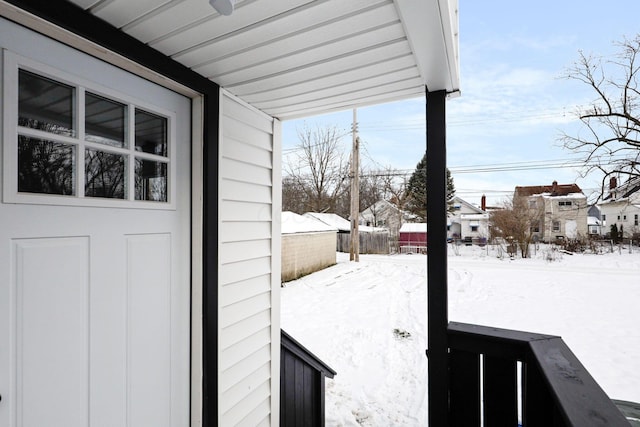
[[514, 103]]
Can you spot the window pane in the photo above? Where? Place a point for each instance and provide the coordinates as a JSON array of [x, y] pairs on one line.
[[104, 174], [151, 180], [151, 133], [104, 120], [45, 104], [45, 166]]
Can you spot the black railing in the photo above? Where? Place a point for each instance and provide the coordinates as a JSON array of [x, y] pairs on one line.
[[510, 377]]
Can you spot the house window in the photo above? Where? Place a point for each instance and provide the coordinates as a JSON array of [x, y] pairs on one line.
[[604, 217], [457, 207], [474, 228], [635, 219], [79, 144], [618, 217], [555, 226], [624, 217], [535, 227], [565, 203]]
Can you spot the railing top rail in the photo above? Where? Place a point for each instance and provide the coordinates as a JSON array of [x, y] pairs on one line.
[[580, 399], [492, 341]]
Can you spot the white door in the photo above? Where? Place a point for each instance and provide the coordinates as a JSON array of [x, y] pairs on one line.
[[94, 242]]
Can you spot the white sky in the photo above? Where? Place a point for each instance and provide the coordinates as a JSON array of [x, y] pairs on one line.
[[514, 105]]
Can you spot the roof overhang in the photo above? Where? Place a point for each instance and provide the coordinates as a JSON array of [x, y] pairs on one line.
[[297, 58]]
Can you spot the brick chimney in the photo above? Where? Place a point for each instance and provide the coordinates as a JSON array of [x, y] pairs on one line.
[[613, 183], [483, 202], [554, 188]]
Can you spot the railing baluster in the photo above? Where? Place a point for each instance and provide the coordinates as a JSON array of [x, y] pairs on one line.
[[464, 381], [500, 394], [537, 403]]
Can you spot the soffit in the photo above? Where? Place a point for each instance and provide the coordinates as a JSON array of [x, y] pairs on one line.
[[296, 58]]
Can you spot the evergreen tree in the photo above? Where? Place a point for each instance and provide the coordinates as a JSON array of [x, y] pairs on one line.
[[614, 233], [417, 189]]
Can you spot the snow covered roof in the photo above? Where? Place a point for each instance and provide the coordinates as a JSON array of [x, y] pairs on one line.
[[331, 219], [342, 224], [553, 190], [565, 196], [414, 227], [592, 220], [477, 217], [293, 223]]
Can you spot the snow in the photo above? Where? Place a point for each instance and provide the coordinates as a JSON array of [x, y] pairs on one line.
[[414, 227], [367, 321], [340, 223], [293, 223]]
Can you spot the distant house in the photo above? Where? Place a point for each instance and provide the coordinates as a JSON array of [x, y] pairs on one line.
[[373, 240], [621, 206], [308, 245], [388, 215], [594, 221], [467, 221], [413, 238], [562, 210]]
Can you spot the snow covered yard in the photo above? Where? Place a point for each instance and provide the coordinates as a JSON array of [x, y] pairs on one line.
[[367, 321]]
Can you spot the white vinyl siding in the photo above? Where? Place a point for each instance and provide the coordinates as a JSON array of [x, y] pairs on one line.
[[249, 220]]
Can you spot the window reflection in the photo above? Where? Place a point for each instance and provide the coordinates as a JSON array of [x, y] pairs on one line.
[[104, 120], [151, 133], [45, 166], [104, 174], [151, 180], [45, 104]]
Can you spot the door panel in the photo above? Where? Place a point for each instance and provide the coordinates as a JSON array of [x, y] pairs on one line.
[[51, 284], [94, 295]]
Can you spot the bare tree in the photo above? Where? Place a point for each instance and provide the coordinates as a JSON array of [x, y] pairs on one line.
[[610, 143], [318, 169], [517, 222]]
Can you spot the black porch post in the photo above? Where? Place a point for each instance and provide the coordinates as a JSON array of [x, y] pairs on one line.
[[438, 387]]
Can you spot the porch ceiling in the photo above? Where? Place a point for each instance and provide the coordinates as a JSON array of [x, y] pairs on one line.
[[295, 58]]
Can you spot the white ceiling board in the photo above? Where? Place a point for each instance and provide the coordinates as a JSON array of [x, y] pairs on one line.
[[310, 72], [247, 19], [408, 77], [340, 77], [352, 87], [382, 98], [346, 97], [290, 59], [120, 12], [296, 57], [259, 46]]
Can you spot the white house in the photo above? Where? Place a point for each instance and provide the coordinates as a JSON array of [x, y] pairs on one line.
[[561, 210], [467, 221], [621, 206], [140, 210], [386, 215]]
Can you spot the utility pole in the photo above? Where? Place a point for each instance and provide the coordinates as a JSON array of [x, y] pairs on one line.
[[354, 251]]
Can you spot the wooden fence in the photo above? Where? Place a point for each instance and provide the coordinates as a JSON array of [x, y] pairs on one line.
[[370, 243]]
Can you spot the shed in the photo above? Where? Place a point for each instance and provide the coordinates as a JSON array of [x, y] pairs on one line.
[[308, 245], [413, 238]]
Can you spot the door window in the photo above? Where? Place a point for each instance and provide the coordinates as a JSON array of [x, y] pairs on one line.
[[81, 143]]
